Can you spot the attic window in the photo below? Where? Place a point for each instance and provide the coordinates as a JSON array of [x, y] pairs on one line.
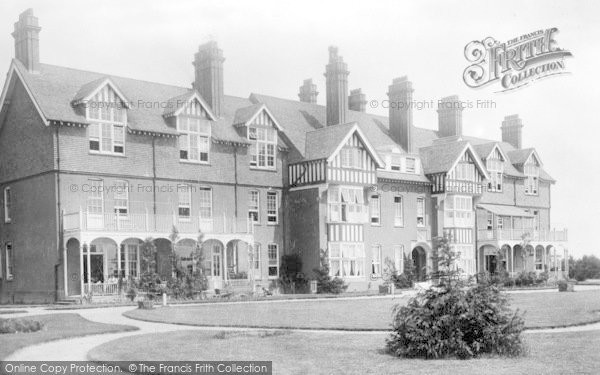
[[411, 165], [495, 167], [262, 151], [396, 163], [532, 173], [194, 140], [108, 118]]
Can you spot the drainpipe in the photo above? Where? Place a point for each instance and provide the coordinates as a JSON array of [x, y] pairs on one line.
[[59, 232], [154, 180], [235, 190]]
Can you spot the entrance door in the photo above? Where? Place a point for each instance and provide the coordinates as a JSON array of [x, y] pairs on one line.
[[491, 263], [215, 280], [419, 263]]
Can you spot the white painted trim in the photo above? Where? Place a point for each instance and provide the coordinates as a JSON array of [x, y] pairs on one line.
[[535, 155], [364, 140], [13, 68], [205, 106], [497, 147], [263, 107], [113, 86], [477, 159]]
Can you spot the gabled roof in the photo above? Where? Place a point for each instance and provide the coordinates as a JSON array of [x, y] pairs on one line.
[[443, 157], [174, 106], [484, 150], [326, 142], [87, 91], [246, 115], [521, 156]]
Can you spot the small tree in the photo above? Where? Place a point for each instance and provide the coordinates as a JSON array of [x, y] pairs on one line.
[[291, 277], [326, 284], [149, 278]]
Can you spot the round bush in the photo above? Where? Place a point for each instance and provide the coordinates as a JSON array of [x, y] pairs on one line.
[[19, 325], [462, 321]]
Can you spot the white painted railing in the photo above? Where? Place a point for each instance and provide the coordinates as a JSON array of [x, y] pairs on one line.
[[558, 235], [147, 222], [102, 289]]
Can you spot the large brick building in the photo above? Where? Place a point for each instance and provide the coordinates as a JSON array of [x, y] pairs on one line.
[[93, 164]]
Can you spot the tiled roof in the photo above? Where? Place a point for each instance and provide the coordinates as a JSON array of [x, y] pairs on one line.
[[321, 143], [55, 88], [504, 210], [520, 156], [441, 157], [484, 149], [393, 175]]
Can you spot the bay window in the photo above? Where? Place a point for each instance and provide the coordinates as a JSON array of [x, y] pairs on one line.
[[459, 211], [194, 139], [346, 204], [346, 259], [262, 152]]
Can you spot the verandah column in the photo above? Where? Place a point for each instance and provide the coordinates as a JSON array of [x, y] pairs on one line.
[[65, 272], [81, 268], [89, 268]]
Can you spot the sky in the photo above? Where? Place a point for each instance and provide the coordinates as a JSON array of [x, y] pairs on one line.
[[272, 46]]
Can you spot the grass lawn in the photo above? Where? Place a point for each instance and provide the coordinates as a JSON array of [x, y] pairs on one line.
[[548, 309], [57, 326], [349, 353]]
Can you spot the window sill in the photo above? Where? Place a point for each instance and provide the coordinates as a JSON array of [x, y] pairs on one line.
[[375, 224], [272, 224], [263, 169], [184, 161], [398, 225], [115, 154]]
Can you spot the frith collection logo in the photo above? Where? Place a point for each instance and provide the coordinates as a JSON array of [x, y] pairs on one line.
[[516, 62]]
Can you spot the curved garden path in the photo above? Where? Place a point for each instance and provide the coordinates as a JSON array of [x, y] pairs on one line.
[[76, 349]]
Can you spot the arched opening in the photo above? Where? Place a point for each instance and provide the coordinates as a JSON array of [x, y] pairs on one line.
[[129, 262], [243, 260], [100, 264], [213, 266], [74, 272], [185, 251], [519, 258], [539, 259], [164, 261], [419, 259], [507, 262], [491, 259]]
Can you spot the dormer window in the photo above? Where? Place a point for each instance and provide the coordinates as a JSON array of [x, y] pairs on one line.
[[495, 168], [262, 151], [194, 139], [352, 157], [108, 117], [396, 163], [465, 172], [532, 173], [411, 165]]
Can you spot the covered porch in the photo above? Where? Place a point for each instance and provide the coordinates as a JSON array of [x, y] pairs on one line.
[[515, 258]]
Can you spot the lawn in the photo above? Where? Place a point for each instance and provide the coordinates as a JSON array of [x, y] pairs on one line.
[[56, 326], [550, 309], [349, 353]]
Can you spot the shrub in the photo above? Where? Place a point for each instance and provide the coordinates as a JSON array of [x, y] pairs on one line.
[[400, 280], [456, 319], [291, 277], [325, 283], [588, 267], [525, 278], [19, 325], [562, 286]]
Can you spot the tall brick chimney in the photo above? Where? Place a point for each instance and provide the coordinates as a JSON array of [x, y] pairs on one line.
[[450, 116], [400, 112], [357, 101], [208, 64], [27, 40], [511, 131], [308, 92], [336, 74]]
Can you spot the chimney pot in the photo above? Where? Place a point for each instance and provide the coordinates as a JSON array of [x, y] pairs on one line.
[[308, 92], [27, 40], [357, 101], [208, 64], [336, 74], [400, 112], [450, 116], [512, 132]]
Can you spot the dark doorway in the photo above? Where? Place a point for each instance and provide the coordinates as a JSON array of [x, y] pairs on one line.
[[419, 263], [97, 269], [491, 263]]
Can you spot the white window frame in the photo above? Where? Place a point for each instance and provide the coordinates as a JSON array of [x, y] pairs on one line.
[[9, 259], [399, 260], [495, 168], [272, 207], [205, 200], [7, 204], [532, 180], [539, 265], [255, 258], [194, 134], [351, 157], [420, 216], [396, 162], [465, 171], [489, 220], [264, 145], [254, 206], [350, 253], [95, 198], [459, 211], [106, 113], [376, 255], [375, 209], [398, 211], [346, 204], [410, 168], [273, 261], [121, 195], [182, 204]]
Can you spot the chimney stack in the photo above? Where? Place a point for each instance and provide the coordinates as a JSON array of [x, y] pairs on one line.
[[450, 116], [357, 101], [400, 112], [208, 64], [27, 40], [336, 74], [308, 92], [511, 131]]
